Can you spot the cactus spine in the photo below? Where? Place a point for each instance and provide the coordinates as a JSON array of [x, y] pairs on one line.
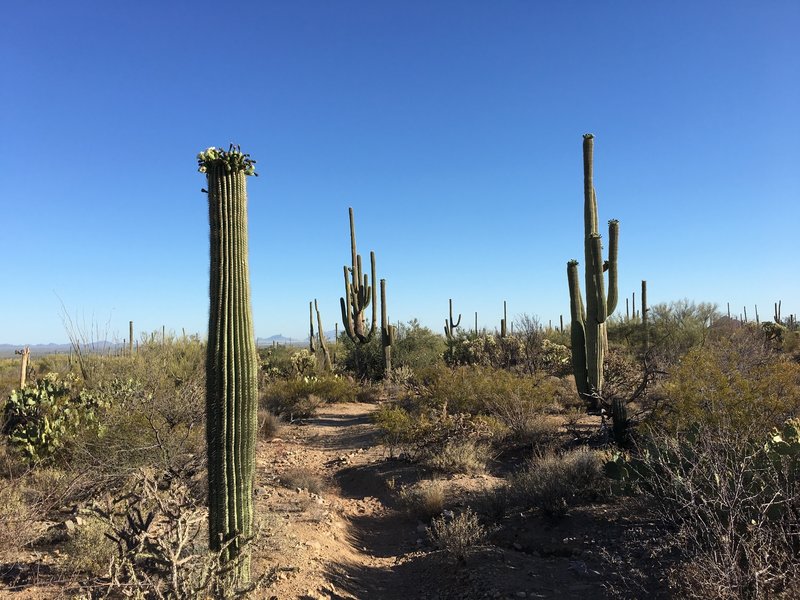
[[388, 333], [231, 364], [358, 293], [450, 326], [588, 331]]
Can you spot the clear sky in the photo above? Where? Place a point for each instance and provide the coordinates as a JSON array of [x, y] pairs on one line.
[[453, 128]]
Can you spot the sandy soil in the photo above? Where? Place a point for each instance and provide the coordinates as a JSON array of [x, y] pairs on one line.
[[352, 539]]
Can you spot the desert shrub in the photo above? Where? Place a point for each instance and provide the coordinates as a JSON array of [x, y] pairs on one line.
[[477, 390], [729, 507], [458, 536], [16, 518], [89, 550], [300, 397], [160, 536], [276, 361], [467, 456], [486, 350], [424, 500], [425, 433], [415, 347], [41, 418], [555, 482], [155, 421], [268, 424], [732, 384], [302, 478]]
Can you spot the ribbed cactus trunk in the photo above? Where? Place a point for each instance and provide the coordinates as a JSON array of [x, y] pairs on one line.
[[387, 334], [588, 333], [231, 363]]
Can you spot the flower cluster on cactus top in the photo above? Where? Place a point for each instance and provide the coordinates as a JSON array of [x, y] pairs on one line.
[[232, 159]]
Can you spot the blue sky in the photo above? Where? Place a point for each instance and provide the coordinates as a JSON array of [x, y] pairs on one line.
[[453, 129]]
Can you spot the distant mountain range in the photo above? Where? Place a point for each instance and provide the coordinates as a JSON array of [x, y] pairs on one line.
[[7, 350]]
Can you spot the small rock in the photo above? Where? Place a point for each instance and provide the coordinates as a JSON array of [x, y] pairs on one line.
[[517, 546], [521, 595]]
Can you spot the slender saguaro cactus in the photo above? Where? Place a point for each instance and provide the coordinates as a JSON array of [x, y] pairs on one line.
[[387, 333], [450, 326], [504, 321], [231, 364], [358, 293], [588, 331], [25, 354], [645, 310], [312, 343], [323, 345], [130, 338]]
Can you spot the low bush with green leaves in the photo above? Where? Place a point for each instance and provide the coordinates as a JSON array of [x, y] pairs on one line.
[[43, 417], [298, 398]]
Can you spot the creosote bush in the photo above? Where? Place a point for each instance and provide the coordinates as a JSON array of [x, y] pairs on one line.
[[554, 483], [458, 536], [424, 500]]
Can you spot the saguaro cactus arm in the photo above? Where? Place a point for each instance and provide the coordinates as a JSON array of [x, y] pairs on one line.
[[231, 367]]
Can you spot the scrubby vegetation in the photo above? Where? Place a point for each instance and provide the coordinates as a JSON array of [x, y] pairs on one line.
[[712, 458]]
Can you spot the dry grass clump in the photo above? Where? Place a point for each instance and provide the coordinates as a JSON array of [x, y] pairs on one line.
[[424, 500], [458, 536], [269, 424], [466, 456], [302, 478], [89, 550], [16, 518], [555, 482]]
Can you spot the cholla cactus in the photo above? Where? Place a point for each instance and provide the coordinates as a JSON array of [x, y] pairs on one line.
[[231, 363]]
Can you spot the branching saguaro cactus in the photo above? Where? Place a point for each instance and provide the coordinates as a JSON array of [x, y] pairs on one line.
[[450, 326], [358, 294], [588, 332], [231, 363], [388, 333]]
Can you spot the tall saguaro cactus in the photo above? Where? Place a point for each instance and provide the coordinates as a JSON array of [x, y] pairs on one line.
[[589, 340], [358, 294], [231, 363], [388, 333], [450, 326], [323, 345]]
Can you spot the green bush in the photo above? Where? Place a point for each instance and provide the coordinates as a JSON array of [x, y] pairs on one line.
[[415, 347], [458, 536], [300, 397], [730, 385], [41, 418]]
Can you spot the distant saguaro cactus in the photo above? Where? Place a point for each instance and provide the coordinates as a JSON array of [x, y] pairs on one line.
[[312, 343], [588, 331], [358, 294], [323, 345], [449, 325], [231, 364], [387, 333]]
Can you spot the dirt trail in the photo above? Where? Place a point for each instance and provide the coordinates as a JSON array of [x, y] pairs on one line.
[[352, 540]]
